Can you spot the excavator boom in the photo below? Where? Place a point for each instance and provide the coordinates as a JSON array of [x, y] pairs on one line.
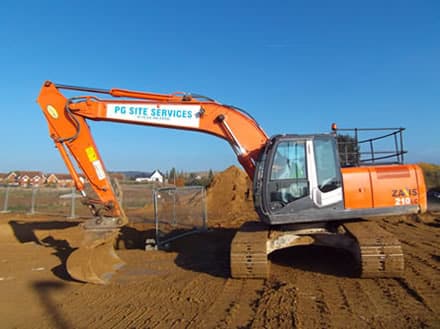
[[68, 128]]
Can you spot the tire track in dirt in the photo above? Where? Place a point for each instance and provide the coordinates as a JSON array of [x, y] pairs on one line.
[[397, 307], [317, 300], [422, 285], [181, 298], [325, 296], [312, 308], [331, 301], [311, 288], [237, 296], [422, 270], [342, 300], [158, 305], [142, 302], [176, 301], [276, 306]]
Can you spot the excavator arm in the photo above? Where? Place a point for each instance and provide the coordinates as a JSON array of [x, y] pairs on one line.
[[67, 119]]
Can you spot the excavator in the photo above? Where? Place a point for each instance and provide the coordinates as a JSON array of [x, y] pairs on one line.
[[302, 194]]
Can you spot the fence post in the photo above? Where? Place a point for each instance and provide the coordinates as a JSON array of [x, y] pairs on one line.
[[174, 207], [205, 209], [34, 196], [5, 202], [156, 218], [72, 204]]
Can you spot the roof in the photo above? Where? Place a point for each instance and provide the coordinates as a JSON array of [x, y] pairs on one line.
[[61, 176], [29, 173], [149, 174]]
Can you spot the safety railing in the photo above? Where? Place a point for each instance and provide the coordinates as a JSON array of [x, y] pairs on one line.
[[369, 146]]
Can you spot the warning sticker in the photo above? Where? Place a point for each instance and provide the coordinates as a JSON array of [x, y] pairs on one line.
[[91, 154], [99, 169]]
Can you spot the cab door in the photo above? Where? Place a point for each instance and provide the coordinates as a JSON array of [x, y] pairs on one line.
[[288, 176]]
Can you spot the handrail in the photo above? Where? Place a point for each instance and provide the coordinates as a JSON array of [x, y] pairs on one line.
[[355, 151]]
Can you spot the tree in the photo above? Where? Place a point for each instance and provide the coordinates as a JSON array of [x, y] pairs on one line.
[[192, 180], [210, 177], [432, 175], [349, 151], [172, 176]]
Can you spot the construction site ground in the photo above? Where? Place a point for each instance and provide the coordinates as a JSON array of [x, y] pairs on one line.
[[189, 285]]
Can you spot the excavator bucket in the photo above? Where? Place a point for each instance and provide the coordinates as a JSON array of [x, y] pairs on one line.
[[95, 261]]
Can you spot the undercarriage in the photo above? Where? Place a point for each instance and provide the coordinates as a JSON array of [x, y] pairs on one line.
[[377, 252]]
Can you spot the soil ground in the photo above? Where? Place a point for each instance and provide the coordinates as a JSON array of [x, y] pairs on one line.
[[189, 286]]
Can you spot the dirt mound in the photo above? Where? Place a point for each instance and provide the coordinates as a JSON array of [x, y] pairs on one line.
[[229, 199]]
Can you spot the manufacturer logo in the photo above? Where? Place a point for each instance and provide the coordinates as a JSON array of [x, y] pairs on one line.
[[405, 196]]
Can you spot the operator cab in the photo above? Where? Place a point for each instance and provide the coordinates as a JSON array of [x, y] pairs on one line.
[[298, 179]]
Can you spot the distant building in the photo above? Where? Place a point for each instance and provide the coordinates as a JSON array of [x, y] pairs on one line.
[[3, 178], [37, 179], [61, 180], [27, 178], [155, 176], [9, 179]]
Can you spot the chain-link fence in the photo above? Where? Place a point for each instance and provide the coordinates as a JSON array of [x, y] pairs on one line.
[[137, 202], [179, 212], [174, 212], [42, 200], [135, 199]]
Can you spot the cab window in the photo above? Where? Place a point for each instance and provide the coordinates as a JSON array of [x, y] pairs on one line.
[[327, 165], [288, 175], [289, 161]]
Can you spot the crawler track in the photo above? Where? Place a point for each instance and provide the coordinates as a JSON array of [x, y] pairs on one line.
[[380, 252], [249, 251]]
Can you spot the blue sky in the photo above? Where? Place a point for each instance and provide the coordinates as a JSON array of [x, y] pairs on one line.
[[296, 66]]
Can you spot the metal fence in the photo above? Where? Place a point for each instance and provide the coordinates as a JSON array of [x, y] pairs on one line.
[[42, 200], [179, 212], [173, 212], [66, 202], [137, 201]]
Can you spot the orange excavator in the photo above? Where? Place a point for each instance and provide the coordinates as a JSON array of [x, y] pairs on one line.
[[300, 191]]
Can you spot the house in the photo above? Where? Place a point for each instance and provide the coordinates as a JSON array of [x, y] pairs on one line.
[[155, 176], [3, 178], [30, 178], [61, 180], [8, 179]]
